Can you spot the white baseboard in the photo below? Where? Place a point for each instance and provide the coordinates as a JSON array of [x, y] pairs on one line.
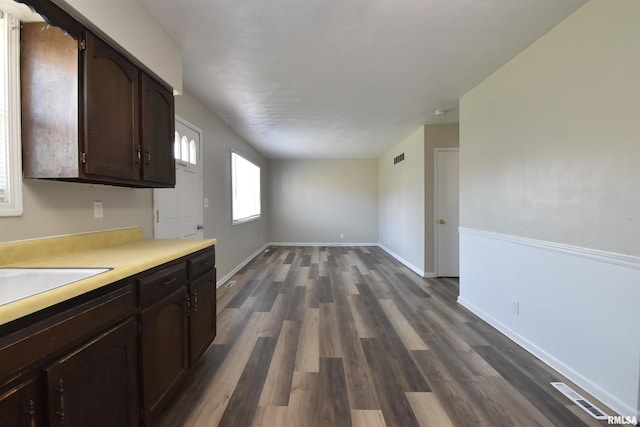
[[316, 244], [406, 263], [554, 363], [576, 308], [229, 275]]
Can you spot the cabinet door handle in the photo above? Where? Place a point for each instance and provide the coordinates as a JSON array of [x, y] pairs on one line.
[[148, 152], [170, 281], [195, 300], [31, 411], [60, 390]]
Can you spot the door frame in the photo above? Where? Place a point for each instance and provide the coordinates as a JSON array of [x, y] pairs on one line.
[[437, 150], [186, 123]]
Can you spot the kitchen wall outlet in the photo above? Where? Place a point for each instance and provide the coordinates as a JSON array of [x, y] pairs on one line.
[[516, 307], [206, 202], [97, 209], [342, 235]]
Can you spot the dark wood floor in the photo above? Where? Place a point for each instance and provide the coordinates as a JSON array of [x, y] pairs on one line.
[[347, 336]]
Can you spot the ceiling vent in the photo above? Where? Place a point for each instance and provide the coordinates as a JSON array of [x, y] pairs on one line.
[[397, 159]]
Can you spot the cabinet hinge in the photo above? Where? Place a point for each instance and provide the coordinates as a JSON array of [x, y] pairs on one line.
[[83, 158], [83, 44]]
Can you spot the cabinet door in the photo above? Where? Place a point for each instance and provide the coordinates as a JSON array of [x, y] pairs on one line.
[[111, 101], [164, 340], [18, 406], [202, 322], [96, 385], [157, 122]]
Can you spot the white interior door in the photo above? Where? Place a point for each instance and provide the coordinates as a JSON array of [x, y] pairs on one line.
[[447, 207], [178, 211]]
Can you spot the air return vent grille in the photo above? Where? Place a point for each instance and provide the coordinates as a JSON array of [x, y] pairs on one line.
[[397, 159], [590, 408]]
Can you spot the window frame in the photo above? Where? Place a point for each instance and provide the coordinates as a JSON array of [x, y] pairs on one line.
[[13, 134], [252, 217]]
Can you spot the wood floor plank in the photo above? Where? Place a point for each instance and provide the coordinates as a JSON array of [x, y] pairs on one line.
[[244, 401], [551, 406], [428, 410], [398, 356], [215, 397], [308, 354], [357, 373], [330, 343], [393, 402], [333, 407], [277, 385], [364, 327], [367, 418], [450, 392], [314, 336], [303, 407], [405, 331], [522, 410]]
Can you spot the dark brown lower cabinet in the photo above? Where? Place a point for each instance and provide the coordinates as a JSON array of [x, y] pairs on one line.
[[18, 405], [113, 357], [96, 385], [163, 346], [202, 323]]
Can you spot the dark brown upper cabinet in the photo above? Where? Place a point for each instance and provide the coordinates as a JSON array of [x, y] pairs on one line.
[[91, 115]]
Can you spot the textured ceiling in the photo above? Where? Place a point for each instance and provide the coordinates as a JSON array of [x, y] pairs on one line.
[[344, 78]]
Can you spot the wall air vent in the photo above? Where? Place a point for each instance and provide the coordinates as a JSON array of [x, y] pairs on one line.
[[397, 159], [583, 403]]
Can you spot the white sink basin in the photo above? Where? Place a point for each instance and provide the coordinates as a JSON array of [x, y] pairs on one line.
[[19, 283]]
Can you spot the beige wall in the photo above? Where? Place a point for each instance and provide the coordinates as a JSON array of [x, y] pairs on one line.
[[550, 142], [550, 151], [314, 201], [401, 198], [235, 242], [53, 208], [134, 29], [435, 136]]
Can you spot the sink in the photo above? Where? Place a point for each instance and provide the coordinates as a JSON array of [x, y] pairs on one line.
[[19, 283]]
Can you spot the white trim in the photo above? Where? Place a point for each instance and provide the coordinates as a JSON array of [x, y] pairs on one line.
[[229, 275], [315, 244], [406, 263], [554, 363], [437, 150], [13, 126], [561, 286], [199, 167], [579, 251]]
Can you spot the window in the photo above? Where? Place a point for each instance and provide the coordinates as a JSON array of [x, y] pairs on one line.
[[245, 189], [185, 150], [10, 166]]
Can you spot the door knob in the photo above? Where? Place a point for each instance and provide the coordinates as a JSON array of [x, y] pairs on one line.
[[441, 221], [200, 227]]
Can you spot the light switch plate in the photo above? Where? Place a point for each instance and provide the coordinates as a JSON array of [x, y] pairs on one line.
[[97, 209]]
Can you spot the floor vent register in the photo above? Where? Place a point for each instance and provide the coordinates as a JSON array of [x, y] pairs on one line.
[[575, 397]]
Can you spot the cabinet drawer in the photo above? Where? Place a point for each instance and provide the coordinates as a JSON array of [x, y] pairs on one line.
[[28, 346], [161, 283], [200, 264]]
